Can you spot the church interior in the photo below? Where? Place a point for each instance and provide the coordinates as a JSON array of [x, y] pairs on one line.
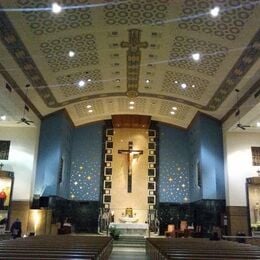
[[142, 116]]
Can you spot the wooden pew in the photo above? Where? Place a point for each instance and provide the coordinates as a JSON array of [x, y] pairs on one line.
[[163, 248], [57, 247]]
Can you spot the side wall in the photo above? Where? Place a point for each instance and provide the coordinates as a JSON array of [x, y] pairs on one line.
[[22, 161], [238, 167]]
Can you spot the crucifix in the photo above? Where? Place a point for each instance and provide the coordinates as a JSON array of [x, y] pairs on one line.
[[130, 154]]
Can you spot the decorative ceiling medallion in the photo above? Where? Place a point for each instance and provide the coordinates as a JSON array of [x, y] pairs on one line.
[[56, 52], [45, 22], [213, 55], [233, 17], [195, 85], [136, 12], [133, 60]]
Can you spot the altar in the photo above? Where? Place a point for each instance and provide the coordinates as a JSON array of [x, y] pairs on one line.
[[131, 229]]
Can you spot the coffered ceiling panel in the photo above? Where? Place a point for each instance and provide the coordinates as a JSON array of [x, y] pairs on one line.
[[96, 56]]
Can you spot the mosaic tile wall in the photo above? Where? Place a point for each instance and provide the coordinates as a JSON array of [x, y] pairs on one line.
[[174, 165], [86, 162]]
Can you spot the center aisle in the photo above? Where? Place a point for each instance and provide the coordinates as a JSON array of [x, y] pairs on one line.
[[129, 248]]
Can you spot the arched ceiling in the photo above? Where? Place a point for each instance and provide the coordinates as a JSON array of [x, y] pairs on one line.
[[131, 50]]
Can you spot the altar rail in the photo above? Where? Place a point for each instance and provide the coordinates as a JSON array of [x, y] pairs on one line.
[[57, 247], [165, 248]]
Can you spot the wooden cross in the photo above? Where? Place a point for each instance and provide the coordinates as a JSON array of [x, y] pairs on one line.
[[130, 153]]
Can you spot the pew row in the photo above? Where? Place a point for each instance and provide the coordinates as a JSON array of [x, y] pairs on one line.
[[57, 247], [165, 248]]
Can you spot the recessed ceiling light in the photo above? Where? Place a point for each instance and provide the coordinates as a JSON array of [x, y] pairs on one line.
[[56, 8], [90, 110], [147, 81], [89, 106], [118, 80], [131, 107], [196, 56], [183, 85], [258, 124], [193, 86], [172, 113], [3, 117], [81, 83], [131, 102], [174, 108], [176, 81], [71, 54], [89, 80], [214, 12]]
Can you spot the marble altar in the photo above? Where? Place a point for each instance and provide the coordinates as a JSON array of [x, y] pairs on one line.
[[131, 229], [128, 219]]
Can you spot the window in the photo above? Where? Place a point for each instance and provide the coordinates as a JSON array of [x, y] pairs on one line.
[[256, 155], [4, 150]]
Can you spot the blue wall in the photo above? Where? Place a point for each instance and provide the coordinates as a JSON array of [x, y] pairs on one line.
[[55, 142], [181, 151], [212, 159], [86, 159], [173, 165]]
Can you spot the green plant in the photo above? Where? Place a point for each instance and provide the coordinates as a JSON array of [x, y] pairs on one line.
[[114, 232]]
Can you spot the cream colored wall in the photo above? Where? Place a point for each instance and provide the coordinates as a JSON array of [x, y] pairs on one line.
[[22, 158], [121, 199], [238, 165]]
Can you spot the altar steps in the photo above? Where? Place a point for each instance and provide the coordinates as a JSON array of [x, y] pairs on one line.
[[130, 241]]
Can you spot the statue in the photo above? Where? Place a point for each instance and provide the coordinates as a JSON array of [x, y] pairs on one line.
[[257, 213]]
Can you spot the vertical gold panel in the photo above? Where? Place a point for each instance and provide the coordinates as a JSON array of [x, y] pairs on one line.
[[137, 199]]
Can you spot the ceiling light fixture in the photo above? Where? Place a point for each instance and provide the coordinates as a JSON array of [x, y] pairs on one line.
[[71, 54], [89, 106], [184, 85], [176, 81], [90, 110], [174, 108], [147, 81], [196, 56], [89, 80], [131, 107], [131, 102], [56, 8], [258, 124], [172, 113], [193, 86], [3, 117], [81, 83], [214, 12]]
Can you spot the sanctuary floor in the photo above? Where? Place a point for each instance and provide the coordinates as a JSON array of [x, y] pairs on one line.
[[128, 254]]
